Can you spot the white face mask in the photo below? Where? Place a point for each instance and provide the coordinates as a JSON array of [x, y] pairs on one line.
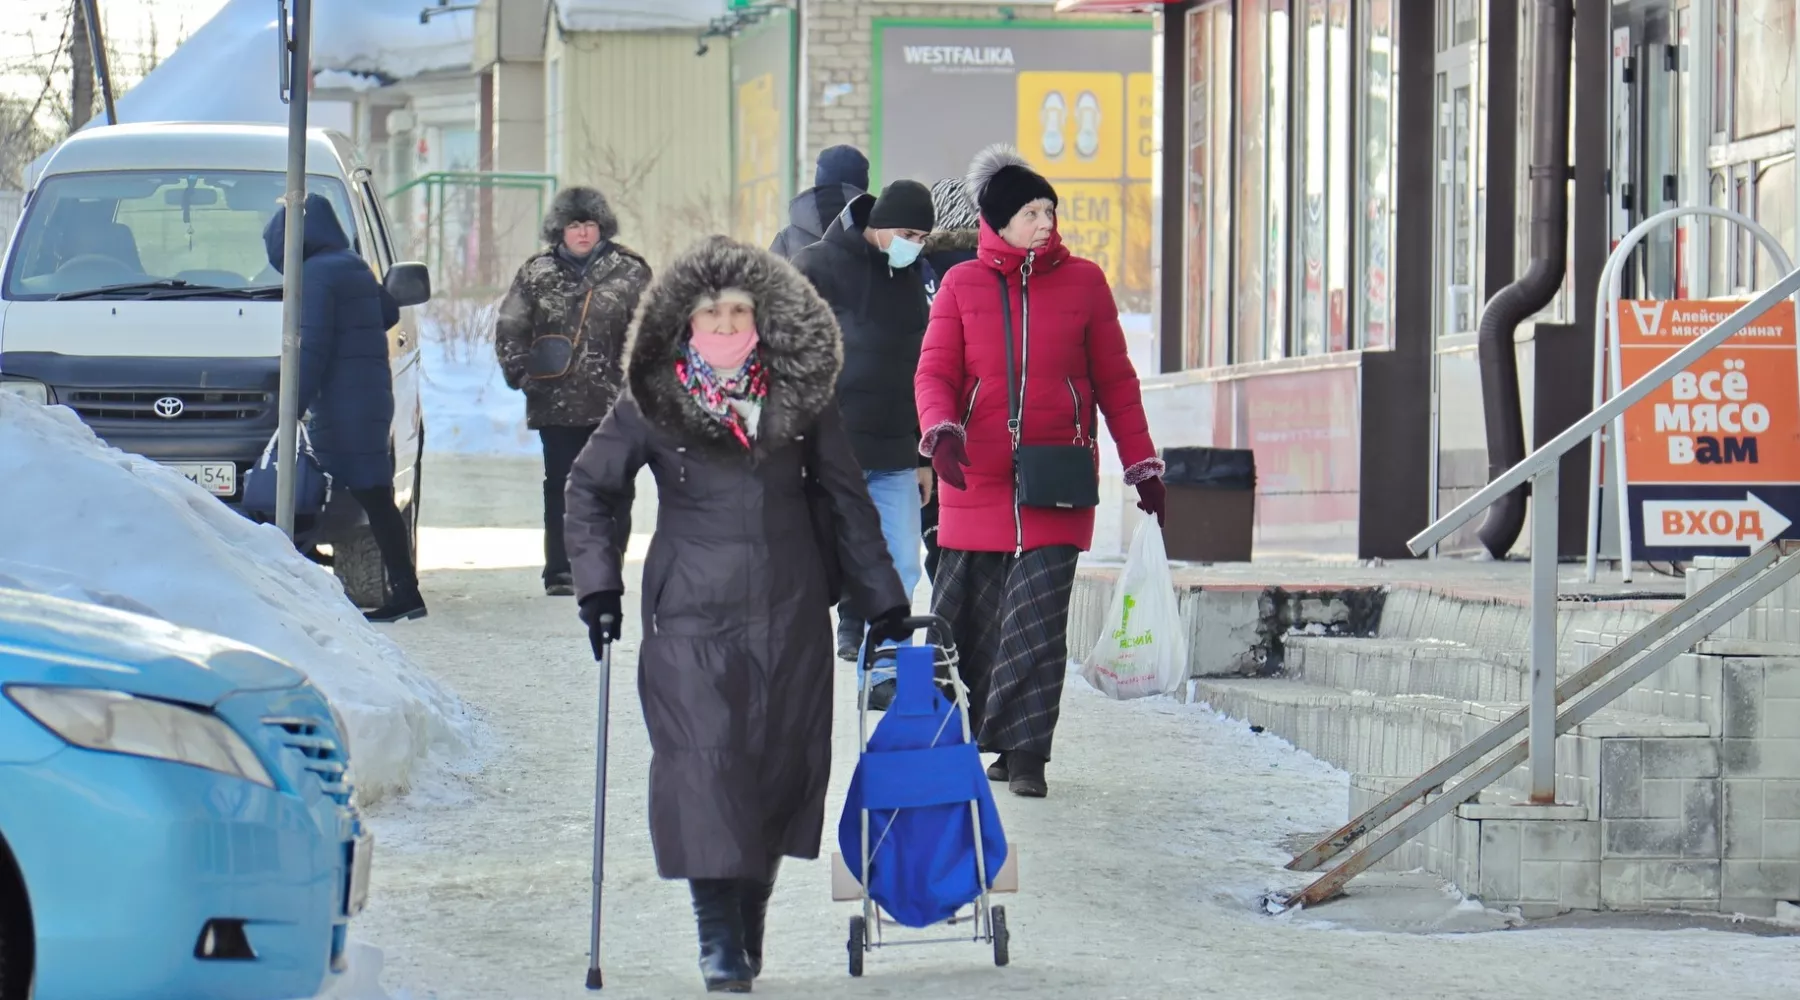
[[901, 252]]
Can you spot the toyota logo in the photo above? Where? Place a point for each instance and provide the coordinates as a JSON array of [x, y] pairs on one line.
[[169, 407]]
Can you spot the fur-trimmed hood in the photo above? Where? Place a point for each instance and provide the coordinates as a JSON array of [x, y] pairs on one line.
[[579, 204], [799, 343], [941, 240]]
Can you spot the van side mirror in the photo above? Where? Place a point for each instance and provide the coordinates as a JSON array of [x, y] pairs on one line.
[[409, 283]]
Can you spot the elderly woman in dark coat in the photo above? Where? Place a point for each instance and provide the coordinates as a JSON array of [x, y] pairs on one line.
[[347, 385], [731, 383]]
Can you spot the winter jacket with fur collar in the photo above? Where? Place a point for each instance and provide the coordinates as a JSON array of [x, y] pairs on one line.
[[548, 297], [735, 666]]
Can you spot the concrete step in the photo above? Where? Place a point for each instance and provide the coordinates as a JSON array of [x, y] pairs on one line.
[[1502, 622], [1245, 629], [1446, 669], [1404, 734]]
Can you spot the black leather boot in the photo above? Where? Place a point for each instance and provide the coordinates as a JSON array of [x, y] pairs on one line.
[[1025, 774], [849, 638], [755, 904], [721, 924], [403, 605]]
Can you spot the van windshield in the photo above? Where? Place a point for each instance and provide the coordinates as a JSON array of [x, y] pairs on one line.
[[140, 234]]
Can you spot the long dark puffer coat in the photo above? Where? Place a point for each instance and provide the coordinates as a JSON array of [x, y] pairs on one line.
[[735, 668], [346, 380], [547, 297]]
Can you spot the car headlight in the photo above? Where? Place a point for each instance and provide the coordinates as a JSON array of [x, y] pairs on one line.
[[142, 727], [31, 392]]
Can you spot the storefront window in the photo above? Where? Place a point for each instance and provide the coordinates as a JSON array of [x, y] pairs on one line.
[[1340, 204], [1219, 264], [1196, 351], [1291, 143], [1275, 319], [1309, 282], [1718, 245], [1252, 164], [1375, 219], [1763, 67], [1750, 160], [1721, 66], [1209, 202], [1775, 210]]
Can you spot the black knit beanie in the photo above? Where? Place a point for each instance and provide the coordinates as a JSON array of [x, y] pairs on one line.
[[904, 205], [1001, 182], [842, 165]]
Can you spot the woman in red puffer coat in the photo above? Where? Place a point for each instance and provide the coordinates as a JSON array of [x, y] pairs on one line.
[[1007, 569]]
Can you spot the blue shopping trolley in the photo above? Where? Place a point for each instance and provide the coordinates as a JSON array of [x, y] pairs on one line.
[[920, 840]]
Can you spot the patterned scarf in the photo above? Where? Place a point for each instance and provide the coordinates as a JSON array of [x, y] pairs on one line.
[[716, 393]]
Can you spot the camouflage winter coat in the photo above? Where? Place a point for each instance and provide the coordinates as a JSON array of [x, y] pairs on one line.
[[547, 298]]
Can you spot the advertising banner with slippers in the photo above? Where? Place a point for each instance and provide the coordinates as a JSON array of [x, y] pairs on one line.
[[1712, 457], [1077, 98]]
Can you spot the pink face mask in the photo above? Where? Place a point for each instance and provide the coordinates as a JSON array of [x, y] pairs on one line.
[[723, 351]]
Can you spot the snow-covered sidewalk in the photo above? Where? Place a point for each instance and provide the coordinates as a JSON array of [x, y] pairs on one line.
[[1140, 874]]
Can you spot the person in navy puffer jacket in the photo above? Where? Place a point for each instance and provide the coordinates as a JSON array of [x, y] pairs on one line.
[[347, 385]]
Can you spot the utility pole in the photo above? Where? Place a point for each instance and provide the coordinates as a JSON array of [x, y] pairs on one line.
[[97, 43], [297, 81], [81, 61]]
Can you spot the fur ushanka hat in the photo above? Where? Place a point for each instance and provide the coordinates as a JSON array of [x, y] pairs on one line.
[[1001, 182], [579, 204]]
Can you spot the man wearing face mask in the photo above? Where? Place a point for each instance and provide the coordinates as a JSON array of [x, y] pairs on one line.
[[867, 269]]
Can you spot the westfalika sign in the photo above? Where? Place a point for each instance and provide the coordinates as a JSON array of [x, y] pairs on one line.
[[1713, 455], [986, 56]]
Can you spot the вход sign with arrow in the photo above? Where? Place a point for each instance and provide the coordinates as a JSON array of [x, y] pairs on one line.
[[1713, 455]]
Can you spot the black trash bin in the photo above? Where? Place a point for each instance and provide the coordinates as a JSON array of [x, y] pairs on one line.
[[1212, 504]]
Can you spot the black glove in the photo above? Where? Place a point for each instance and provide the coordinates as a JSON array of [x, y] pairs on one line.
[[600, 611], [890, 626]]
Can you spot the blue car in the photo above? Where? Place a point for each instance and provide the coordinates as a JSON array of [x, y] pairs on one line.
[[175, 814]]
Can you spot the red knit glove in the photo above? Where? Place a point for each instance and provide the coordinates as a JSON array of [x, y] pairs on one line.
[[949, 458], [1153, 497]]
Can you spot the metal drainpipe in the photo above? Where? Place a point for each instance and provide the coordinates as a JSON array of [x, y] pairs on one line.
[[1552, 49]]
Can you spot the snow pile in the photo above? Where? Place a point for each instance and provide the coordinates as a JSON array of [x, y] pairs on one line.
[[469, 410], [636, 15], [85, 521]]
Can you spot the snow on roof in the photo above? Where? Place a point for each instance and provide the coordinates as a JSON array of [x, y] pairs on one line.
[[230, 70], [636, 15]]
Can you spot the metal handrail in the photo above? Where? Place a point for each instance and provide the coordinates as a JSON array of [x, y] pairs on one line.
[[478, 178], [1547, 455]]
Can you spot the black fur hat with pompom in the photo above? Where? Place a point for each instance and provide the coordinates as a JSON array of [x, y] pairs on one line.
[[1001, 182]]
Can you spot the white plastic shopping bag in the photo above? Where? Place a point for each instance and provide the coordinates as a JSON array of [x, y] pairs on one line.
[[1142, 649]]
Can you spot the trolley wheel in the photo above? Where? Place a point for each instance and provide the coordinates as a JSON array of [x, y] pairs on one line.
[[859, 943], [1002, 939]]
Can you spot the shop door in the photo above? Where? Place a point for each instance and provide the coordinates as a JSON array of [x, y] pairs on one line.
[[1647, 94], [1458, 215]]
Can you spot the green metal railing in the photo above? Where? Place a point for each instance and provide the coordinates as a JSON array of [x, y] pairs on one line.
[[439, 185]]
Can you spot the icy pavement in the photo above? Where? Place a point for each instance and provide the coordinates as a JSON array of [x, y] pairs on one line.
[[1140, 874]]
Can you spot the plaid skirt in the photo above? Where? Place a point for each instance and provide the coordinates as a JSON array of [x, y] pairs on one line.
[[1009, 616]]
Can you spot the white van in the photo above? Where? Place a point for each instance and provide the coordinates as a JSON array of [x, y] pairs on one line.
[[136, 291]]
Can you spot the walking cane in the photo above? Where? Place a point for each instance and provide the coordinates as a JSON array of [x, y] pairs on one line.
[[605, 660]]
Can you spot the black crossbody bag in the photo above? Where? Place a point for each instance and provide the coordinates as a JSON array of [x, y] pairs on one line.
[[1044, 475]]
